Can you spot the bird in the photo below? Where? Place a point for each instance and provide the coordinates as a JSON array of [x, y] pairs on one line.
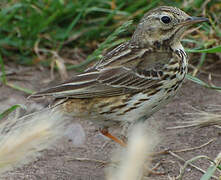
[[135, 79]]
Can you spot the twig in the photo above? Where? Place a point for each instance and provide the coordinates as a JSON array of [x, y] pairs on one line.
[[180, 127], [183, 150], [153, 170], [88, 160], [189, 162], [204, 71], [194, 148], [209, 119], [59, 61]]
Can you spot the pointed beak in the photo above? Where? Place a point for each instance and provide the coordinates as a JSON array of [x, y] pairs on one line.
[[193, 20]]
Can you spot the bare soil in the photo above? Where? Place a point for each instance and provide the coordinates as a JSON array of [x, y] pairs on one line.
[[62, 162]]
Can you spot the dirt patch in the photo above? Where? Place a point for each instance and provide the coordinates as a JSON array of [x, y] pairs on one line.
[[86, 162]]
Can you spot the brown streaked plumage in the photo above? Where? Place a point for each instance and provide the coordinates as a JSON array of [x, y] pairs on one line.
[[136, 78]]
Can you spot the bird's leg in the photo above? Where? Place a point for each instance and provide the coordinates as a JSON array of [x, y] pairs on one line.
[[105, 132]]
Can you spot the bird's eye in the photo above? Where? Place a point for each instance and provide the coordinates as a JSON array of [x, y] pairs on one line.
[[165, 19]]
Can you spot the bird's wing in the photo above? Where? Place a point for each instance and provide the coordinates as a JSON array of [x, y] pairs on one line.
[[107, 82], [117, 74]]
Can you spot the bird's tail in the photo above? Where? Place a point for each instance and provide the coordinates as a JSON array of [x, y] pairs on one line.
[[21, 139]]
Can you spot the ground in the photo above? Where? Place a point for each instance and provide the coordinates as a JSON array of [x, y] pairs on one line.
[[63, 161]]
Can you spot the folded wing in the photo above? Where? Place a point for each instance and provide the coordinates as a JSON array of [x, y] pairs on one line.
[[106, 82]]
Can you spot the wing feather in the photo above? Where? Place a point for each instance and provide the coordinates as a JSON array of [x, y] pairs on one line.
[[108, 82], [114, 75]]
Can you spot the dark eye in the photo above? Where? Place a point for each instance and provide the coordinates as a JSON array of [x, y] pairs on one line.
[[165, 19]]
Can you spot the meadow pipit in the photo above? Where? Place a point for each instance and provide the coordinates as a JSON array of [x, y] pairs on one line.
[[136, 78]]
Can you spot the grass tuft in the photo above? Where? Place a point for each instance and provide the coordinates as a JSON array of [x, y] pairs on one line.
[[62, 25], [108, 43]]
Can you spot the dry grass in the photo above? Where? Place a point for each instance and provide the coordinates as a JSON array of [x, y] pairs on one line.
[[23, 138], [202, 118], [132, 159], [210, 117]]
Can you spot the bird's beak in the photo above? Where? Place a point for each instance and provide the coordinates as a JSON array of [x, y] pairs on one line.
[[193, 20]]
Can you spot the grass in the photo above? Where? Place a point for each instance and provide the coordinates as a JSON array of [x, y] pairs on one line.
[[3, 75], [108, 43], [65, 24], [6, 112], [202, 83]]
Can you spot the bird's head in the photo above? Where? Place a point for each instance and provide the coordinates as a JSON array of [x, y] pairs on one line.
[[163, 25]]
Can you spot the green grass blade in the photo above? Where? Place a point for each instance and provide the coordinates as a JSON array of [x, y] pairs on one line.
[[202, 60], [105, 45], [8, 111], [209, 173], [25, 90], [200, 82], [73, 23], [3, 76], [216, 49], [97, 9]]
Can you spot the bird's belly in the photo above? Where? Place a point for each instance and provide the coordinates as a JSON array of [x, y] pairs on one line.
[[138, 109], [142, 104]]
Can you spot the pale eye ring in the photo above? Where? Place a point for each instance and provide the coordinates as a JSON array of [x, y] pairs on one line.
[[166, 19]]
